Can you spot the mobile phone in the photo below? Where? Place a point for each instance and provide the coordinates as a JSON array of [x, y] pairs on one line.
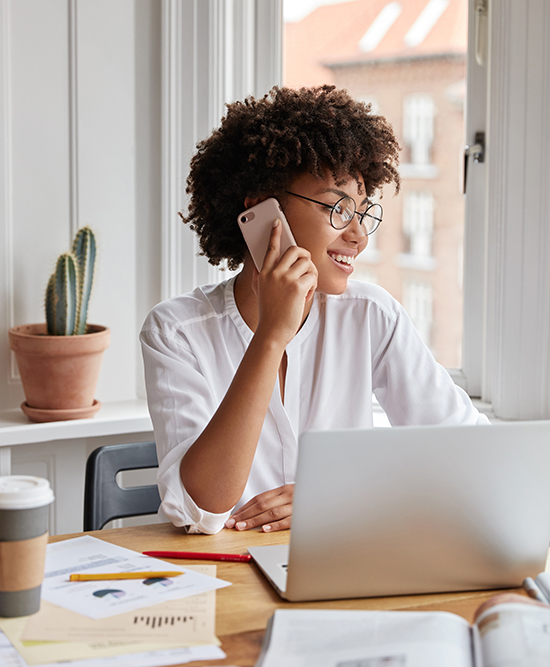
[[256, 224]]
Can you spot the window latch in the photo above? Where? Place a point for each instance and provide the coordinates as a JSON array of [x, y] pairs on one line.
[[480, 34], [477, 151]]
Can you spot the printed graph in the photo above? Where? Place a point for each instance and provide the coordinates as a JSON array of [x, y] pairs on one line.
[[158, 621]]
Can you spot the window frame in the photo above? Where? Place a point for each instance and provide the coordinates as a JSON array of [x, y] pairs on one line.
[[470, 376]]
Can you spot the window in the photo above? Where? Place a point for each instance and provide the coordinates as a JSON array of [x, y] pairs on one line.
[[418, 127], [409, 58], [506, 356], [418, 303], [418, 223]]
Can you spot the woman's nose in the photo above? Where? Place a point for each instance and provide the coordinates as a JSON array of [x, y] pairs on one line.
[[355, 231]]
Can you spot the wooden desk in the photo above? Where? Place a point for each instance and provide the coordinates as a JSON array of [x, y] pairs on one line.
[[243, 609]]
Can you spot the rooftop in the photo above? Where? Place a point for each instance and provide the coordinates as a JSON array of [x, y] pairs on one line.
[[371, 30]]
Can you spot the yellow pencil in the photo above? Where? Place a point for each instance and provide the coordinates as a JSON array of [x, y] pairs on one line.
[[122, 575]]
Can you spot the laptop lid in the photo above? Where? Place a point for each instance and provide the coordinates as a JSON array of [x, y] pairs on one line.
[[403, 510]]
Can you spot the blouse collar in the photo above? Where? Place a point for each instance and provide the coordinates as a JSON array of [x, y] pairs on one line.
[[247, 333]]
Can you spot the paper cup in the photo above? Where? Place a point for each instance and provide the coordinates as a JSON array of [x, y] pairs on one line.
[[24, 502]]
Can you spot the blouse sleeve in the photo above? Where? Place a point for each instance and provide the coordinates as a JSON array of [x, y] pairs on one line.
[[410, 385], [181, 405]]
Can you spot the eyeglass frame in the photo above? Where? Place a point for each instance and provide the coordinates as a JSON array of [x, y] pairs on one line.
[[355, 212]]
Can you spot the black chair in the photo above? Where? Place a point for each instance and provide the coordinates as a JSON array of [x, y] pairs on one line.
[[104, 499]]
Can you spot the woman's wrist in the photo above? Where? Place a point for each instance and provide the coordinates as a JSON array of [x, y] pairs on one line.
[[270, 341]]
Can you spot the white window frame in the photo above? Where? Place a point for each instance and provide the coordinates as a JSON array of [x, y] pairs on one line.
[[506, 358], [507, 273], [213, 52], [475, 242]]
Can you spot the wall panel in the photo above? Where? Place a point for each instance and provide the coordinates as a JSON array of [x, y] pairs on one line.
[[71, 156], [34, 188]]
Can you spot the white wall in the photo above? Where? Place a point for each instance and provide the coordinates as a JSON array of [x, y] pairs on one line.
[[80, 144], [102, 104], [80, 88]]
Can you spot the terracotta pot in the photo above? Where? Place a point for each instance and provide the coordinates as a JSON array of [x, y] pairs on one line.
[[59, 373]]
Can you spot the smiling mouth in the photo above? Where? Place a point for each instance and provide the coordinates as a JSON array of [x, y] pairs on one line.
[[347, 260]]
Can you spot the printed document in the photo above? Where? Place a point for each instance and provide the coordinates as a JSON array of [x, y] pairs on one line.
[[101, 599], [506, 634], [186, 621]]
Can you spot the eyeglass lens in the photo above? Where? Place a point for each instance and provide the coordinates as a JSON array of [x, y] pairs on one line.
[[344, 210]]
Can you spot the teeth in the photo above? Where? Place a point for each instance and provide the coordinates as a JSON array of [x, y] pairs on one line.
[[343, 259]]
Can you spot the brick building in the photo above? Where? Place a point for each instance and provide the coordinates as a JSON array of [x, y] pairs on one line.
[[409, 60]]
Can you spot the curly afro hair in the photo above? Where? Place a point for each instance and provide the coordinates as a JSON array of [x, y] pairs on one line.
[[263, 144]]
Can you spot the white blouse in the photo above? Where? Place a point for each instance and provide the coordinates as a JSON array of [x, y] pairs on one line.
[[350, 346]]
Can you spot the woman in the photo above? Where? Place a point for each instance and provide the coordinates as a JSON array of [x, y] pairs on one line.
[[236, 371]]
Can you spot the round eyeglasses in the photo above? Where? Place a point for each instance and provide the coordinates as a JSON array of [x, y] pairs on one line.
[[341, 213]]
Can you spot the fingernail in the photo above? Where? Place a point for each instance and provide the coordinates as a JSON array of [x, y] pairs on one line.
[[241, 525], [230, 523], [276, 222], [266, 529]]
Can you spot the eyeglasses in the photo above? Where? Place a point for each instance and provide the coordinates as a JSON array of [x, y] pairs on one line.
[[341, 213]]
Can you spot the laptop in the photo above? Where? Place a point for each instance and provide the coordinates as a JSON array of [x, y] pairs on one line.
[[423, 509]]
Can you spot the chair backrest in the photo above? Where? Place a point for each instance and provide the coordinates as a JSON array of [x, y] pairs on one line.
[[104, 499]]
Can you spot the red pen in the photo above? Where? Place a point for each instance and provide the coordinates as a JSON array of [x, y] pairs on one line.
[[239, 558]]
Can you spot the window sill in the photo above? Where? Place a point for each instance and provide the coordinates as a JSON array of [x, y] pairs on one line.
[[487, 409], [381, 420], [112, 419], [118, 418]]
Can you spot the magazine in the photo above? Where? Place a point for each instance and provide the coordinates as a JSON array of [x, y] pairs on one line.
[[509, 630]]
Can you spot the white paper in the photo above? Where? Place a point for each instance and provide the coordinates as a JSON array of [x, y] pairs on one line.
[[334, 638], [184, 622], [101, 599], [515, 635], [171, 656], [9, 657]]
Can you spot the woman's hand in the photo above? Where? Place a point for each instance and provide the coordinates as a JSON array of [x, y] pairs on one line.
[[272, 510], [283, 288]]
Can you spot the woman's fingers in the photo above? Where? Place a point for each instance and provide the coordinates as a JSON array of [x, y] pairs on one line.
[[274, 246], [276, 518], [277, 525], [272, 510], [294, 269], [295, 259], [266, 500], [283, 288]]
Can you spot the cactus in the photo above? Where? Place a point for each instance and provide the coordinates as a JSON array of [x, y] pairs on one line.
[[84, 251], [69, 287]]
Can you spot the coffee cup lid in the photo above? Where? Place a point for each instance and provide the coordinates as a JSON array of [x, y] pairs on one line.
[[18, 492]]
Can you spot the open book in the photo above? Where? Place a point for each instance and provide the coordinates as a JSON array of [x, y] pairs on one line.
[[509, 631]]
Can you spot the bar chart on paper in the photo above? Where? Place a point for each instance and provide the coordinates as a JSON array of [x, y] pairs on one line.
[[152, 621]]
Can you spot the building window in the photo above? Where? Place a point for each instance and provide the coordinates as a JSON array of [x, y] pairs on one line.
[[418, 126], [417, 299], [418, 210]]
